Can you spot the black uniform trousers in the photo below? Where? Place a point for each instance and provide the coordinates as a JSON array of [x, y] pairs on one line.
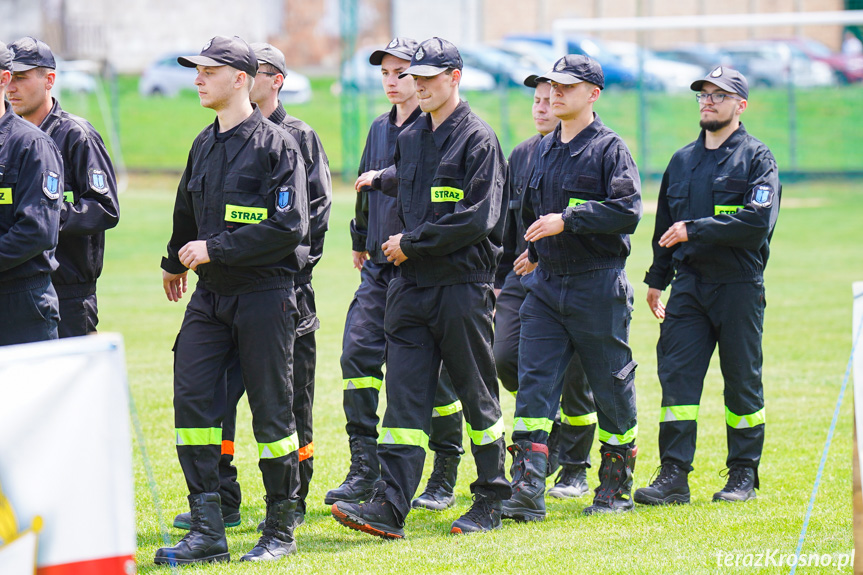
[[424, 327], [698, 317], [257, 329], [363, 357], [304, 362], [578, 413], [587, 314], [28, 310], [78, 315]]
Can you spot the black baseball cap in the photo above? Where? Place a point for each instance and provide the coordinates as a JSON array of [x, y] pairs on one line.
[[29, 53], [222, 51], [533, 81], [5, 57], [574, 69], [726, 78], [269, 54], [399, 47], [434, 56]]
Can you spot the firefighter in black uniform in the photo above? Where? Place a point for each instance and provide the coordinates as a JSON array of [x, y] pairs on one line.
[[718, 205], [363, 343], [451, 176], [31, 184], [572, 431], [240, 215], [581, 203], [265, 93], [90, 204]]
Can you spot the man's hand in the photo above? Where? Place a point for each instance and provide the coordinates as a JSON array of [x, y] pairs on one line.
[[194, 254], [547, 225], [174, 284], [655, 303], [523, 266], [359, 259], [393, 249], [674, 235], [365, 179]]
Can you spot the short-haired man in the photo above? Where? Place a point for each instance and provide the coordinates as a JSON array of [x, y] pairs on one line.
[[718, 205], [451, 188], [364, 341], [90, 204], [240, 216], [581, 203], [571, 433], [31, 184]]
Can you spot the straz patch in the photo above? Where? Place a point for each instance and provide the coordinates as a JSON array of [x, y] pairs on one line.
[[51, 185], [726, 210], [446, 194], [69, 196], [98, 181], [245, 214], [6, 196], [285, 199], [762, 196], [575, 202]]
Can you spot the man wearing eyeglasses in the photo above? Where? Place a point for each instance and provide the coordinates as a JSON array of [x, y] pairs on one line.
[[718, 205]]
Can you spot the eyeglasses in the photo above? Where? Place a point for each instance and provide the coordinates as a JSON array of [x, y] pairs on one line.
[[266, 73], [716, 97]]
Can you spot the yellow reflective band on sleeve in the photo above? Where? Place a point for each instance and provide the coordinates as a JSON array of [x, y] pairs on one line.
[[578, 420], [363, 383], [445, 410], [514, 394], [199, 436], [279, 448], [486, 436], [403, 436], [446, 194], [244, 214], [678, 413], [618, 439], [744, 421], [69, 196], [728, 210], [533, 424], [575, 202], [5, 196]]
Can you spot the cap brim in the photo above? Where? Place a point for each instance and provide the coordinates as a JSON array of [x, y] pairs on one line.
[[377, 56], [559, 78], [193, 61], [19, 67], [427, 71], [533, 81], [276, 66], [718, 82]]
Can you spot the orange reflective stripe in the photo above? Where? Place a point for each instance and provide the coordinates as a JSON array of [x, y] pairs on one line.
[[307, 451], [227, 447]]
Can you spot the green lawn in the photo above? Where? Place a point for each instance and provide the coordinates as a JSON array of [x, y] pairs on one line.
[[807, 341]]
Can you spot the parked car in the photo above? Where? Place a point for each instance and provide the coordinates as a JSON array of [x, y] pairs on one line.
[[769, 64], [506, 68], [706, 57], [660, 73], [76, 76], [166, 77], [847, 68]]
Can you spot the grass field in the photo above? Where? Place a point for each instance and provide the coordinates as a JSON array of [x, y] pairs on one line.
[[815, 258]]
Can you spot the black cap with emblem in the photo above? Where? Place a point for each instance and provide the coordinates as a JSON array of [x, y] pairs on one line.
[[5, 57], [269, 54], [727, 79], [399, 47], [434, 56], [574, 69], [222, 51], [31, 53]]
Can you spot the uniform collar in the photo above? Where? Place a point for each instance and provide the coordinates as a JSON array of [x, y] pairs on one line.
[[52, 117], [238, 139], [414, 115], [6, 122], [449, 125], [278, 115], [724, 151], [581, 140]]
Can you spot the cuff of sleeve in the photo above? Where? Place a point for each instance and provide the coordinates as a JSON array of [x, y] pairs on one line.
[[358, 243], [376, 181], [654, 281], [173, 266], [570, 218], [407, 247], [532, 255], [215, 251], [692, 231]]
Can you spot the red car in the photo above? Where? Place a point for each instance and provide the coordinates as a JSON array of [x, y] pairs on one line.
[[848, 69]]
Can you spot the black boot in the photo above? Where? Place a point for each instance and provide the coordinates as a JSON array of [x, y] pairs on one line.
[[530, 461], [483, 515], [554, 446], [439, 492], [205, 540], [571, 482], [299, 516], [364, 472], [377, 516], [277, 540], [740, 486], [230, 515], [615, 475], [670, 486]]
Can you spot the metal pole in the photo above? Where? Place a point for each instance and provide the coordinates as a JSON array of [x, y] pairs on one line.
[[350, 90]]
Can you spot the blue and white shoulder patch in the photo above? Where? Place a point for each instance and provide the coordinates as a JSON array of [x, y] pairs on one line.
[[51, 184], [285, 198], [762, 196], [98, 181]]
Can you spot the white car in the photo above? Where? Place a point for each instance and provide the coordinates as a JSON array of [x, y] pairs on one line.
[[75, 76], [166, 77], [668, 75]]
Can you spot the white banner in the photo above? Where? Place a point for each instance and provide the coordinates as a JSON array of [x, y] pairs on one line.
[[66, 458]]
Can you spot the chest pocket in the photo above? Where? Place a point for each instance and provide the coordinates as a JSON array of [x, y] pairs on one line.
[[447, 189], [578, 189], [728, 194], [406, 174], [195, 187], [677, 196], [7, 191], [245, 200]]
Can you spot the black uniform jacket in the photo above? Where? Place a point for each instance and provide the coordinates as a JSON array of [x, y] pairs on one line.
[[518, 175], [377, 216], [597, 189], [31, 190], [451, 194], [729, 216], [250, 204], [90, 204]]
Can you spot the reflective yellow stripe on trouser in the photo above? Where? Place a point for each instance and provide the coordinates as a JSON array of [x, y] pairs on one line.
[[486, 436], [199, 436], [678, 413], [444, 410], [578, 420], [279, 448], [403, 436], [363, 383], [744, 421], [616, 438], [533, 424]]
